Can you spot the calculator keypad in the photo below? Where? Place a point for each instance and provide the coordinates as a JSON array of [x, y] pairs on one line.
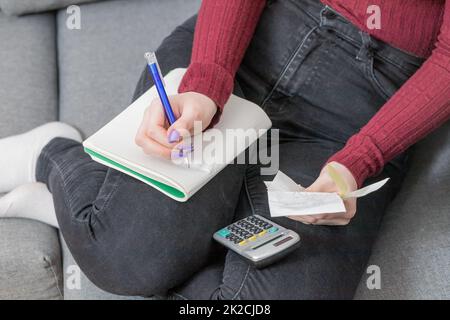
[[245, 230]]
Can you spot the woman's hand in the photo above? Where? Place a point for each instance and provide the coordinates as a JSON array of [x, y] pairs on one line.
[[325, 183], [156, 137]]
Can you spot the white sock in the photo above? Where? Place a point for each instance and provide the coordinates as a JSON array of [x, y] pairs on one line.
[[20, 153], [30, 201]]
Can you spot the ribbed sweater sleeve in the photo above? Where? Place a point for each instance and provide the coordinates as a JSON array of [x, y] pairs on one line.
[[419, 106], [222, 34], [223, 31]]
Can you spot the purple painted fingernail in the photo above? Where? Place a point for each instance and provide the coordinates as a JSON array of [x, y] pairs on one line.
[[178, 154], [187, 148], [174, 136]]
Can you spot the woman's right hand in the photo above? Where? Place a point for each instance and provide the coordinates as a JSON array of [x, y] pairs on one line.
[[156, 137]]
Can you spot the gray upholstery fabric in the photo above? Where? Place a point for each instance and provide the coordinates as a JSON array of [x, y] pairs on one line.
[[413, 249], [30, 260], [20, 7], [28, 72], [101, 63], [84, 289]]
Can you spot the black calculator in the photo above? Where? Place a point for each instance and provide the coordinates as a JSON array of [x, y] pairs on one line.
[[258, 240]]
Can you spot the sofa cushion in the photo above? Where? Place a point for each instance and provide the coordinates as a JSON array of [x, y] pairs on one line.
[[28, 74], [101, 63], [30, 260], [78, 286], [20, 7], [413, 247]]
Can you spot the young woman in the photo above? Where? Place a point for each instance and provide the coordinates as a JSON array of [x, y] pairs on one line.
[[337, 91]]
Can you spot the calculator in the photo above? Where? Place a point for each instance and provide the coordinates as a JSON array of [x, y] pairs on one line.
[[258, 240]]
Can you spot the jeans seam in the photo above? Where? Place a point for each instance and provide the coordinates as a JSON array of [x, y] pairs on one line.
[[376, 52], [238, 292], [105, 206], [378, 83], [288, 64], [67, 201], [379, 55], [378, 86], [394, 63]]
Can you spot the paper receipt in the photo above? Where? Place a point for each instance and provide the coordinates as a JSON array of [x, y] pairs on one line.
[[287, 198]]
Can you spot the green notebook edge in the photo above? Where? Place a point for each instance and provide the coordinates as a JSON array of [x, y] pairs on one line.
[[169, 189]]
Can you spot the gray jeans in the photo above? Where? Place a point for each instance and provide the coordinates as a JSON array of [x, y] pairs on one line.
[[320, 80]]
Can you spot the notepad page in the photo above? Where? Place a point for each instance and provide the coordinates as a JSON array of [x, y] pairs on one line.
[[116, 139]]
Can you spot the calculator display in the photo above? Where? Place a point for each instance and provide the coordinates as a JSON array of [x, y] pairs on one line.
[[282, 241]]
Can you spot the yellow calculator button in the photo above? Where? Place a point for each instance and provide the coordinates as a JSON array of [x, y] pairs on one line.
[[243, 242], [253, 238], [262, 233]]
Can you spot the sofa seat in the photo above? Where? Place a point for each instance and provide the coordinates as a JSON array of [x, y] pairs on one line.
[[30, 254], [30, 261], [413, 246]]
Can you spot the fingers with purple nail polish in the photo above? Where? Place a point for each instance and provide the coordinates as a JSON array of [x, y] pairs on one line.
[[174, 136], [181, 151], [186, 147], [178, 154]]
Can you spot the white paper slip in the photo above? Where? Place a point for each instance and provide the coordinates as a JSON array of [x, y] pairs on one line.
[[366, 190], [282, 182], [283, 203], [287, 198]]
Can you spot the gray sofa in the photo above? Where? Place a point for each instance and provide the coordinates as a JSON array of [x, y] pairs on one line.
[[85, 77]]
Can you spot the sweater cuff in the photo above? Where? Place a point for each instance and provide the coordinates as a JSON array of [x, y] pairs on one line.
[[361, 156], [209, 79]]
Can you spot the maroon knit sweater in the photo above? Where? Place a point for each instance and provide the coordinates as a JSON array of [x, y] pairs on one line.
[[422, 27]]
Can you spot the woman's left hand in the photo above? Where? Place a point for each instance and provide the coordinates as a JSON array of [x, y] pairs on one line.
[[325, 183]]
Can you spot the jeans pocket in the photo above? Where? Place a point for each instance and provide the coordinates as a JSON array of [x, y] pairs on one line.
[[110, 186], [381, 82], [386, 77]]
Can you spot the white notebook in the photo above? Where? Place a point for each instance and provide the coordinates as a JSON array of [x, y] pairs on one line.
[[114, 145]]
